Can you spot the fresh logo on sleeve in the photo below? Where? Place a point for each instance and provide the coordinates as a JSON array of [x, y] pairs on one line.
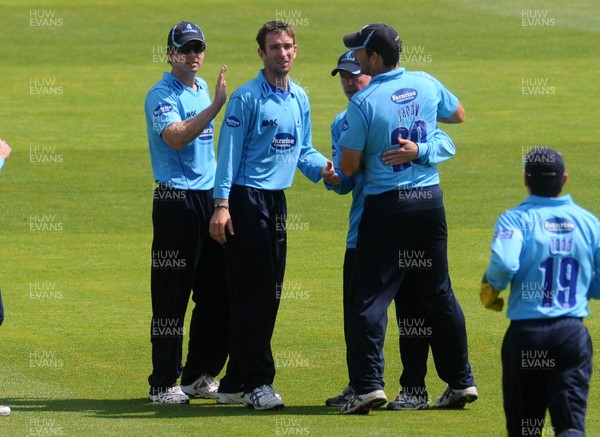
[[559, 225], [162, 108], [231, 121], [503, 235], [404, 95]]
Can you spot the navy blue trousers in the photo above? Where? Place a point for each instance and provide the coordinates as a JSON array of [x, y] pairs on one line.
[[546, 365], [256, 257], [186, 260], [413, 341], [403, 231]]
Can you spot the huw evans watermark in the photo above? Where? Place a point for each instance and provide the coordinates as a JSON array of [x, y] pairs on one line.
[[44, 290], [293, 17], [537, 86], [44, 155], [537, 18], [290, 426], [537, 360], [291, 358], [413, 260], [291, 290], [44, 222], [45, 18], [414, 328], [44, 86], [45, 359], [167, 328], [168, 260], [45, 427]]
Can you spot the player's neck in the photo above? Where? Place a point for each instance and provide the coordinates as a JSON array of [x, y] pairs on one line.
[[280, 82], [188, 79], [383, 69]]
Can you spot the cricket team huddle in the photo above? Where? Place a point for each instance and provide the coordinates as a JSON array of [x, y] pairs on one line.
[[224, 216]]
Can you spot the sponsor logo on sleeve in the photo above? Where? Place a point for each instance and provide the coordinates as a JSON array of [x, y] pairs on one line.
[[162, 108], [283, 142], [558, 225], [503, 235], [404, 95], [231, 121], [345, 125]]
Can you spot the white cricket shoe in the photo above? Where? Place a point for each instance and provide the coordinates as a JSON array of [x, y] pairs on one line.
[[204, 387], [229, 398], [171, 395], [457, 398], [364, 403], [341, 399], [4, 411], [263, 398]]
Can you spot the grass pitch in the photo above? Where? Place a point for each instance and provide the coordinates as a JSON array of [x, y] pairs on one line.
[[76, 198]]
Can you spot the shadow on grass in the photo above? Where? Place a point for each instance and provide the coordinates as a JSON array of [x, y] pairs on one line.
[[142, 408]]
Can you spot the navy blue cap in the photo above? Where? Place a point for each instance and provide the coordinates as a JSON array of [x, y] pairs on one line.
[[378, 37], [545, 171], [184, 32], [347, 62]]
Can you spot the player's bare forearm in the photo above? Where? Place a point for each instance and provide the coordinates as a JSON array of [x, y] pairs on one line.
[[350, 162], [178, 135]]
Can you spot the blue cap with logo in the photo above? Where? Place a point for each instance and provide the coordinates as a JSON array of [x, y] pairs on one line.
[[184, 32], [347, 62]]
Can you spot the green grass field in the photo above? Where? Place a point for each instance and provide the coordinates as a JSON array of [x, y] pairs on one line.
[[76, 198]]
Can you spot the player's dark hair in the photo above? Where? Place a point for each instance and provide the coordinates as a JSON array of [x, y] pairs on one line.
[[544, 188], [273, 26], [390, 59]]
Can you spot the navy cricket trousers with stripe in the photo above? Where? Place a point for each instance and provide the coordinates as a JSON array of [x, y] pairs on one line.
[[404, 231], [185, 260], [546, 364], [256, 257]]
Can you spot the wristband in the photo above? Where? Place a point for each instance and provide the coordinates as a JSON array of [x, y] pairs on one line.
[[221, 205]]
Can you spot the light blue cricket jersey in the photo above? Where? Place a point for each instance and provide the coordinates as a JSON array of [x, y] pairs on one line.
[[264, 137], [441, 150], [349, 184], [395, 104], [548, 249], [193, 166]]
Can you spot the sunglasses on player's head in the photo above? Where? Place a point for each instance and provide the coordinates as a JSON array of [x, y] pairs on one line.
[[186, 48]]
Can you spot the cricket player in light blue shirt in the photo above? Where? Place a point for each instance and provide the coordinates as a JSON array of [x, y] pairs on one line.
[[548, 250], [190, 166], [403, 223], [185, 260], [265, 136], [416, 118]]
